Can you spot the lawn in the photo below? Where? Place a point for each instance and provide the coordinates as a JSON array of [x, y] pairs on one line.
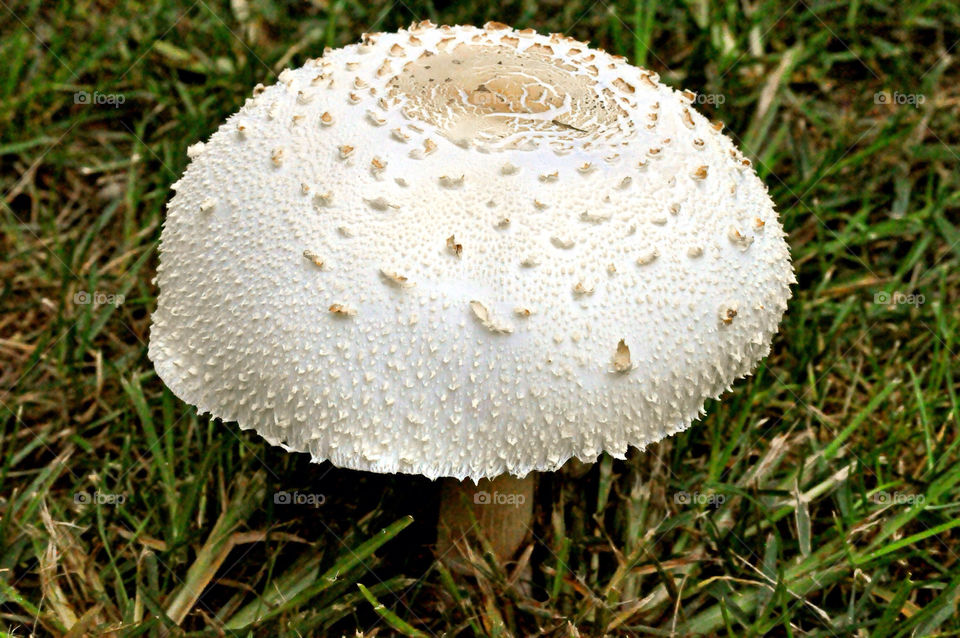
[[819, 497]]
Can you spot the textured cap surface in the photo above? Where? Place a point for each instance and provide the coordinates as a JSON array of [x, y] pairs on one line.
[[462, 251]]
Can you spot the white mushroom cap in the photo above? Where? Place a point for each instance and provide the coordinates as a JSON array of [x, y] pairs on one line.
[[462, 251]]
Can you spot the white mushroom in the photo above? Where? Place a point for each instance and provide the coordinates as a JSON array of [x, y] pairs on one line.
[[491, 116]]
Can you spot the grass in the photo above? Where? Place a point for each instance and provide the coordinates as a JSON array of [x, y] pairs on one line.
[[820, 497]]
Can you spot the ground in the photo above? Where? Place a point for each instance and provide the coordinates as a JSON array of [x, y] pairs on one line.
[[818, 497]]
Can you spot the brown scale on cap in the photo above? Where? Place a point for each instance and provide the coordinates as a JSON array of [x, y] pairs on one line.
[[581, 288], [342, 310], [646, 79], [542, 49], [380, 203], [648, 257], [487, 320], [595, 218], [739, 239], [621, 358], [313, 258], [395, 279], [454, 247], [728, 314], [623, 85], [452, 181]]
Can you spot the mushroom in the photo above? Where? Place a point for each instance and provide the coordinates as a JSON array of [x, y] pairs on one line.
[[651, 251]]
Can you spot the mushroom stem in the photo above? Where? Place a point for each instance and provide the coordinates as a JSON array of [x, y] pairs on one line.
[[502, 508]]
